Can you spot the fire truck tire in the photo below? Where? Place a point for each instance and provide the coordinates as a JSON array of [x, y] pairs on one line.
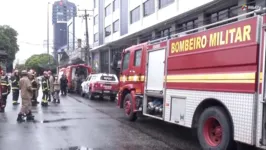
[[215, 129], [128, 108]]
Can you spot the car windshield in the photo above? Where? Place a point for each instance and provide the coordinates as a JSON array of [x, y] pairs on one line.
[[108, 78]]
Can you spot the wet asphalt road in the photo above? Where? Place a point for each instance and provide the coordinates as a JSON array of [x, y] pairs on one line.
[[79, 123]]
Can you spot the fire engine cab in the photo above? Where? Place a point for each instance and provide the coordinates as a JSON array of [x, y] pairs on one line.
[[211, 79]]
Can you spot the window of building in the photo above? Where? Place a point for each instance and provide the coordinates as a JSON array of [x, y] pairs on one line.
[[164, 3], [108, 31], [95, 20], [95, 3], [96, 37], [137, 57], [107, 10], [116, 26], [135, 15], [148, 7], [115, 5], [221, 15], [189, 25], [126, 61]]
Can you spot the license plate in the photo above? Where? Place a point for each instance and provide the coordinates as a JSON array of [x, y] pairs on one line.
[[107, 87], [106, 91]]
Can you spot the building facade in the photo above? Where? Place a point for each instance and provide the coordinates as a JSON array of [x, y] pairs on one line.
[[63, 11], [144, 20]]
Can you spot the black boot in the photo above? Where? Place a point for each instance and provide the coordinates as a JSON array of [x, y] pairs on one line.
[[58, 101], [33, 103], [2, 109], [54, 101], [44, 104], [20, 118], [30, 117]]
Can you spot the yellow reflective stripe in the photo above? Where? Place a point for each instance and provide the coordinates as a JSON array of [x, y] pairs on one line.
[[135, 78], [14, 81], [231, 76], [214, 78], [14, 88], [245, 77]]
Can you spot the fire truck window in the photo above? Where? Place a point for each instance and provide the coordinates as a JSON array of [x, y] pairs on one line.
[[137, 59], [126, 61]]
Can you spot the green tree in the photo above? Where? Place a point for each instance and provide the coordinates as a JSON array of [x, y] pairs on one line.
[[40, 63], [8, 42]]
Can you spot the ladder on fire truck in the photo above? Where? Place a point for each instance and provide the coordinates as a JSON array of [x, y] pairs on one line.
[[157, 81]]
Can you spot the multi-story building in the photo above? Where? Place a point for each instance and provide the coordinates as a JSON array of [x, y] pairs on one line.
[[143, 20], [63, 11]]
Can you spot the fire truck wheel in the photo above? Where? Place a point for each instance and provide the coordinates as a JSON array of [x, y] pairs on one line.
[[214, 129], [128, 107]]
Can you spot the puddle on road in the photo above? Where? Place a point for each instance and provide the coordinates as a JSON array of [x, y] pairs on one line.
[[60, 120], [56, 120], [78, 148]]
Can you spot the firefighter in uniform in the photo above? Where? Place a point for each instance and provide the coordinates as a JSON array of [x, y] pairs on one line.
[[38, 86], [45, 89], [51, 86], [26, 95], [15, 87], [34, 86], [5, 90]]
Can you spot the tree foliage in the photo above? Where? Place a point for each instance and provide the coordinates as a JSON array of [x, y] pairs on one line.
[[40, 63], [8, 41]]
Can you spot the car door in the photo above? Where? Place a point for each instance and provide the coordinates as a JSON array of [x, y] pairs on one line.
[[135, 71], [86, 84], [125, 68]]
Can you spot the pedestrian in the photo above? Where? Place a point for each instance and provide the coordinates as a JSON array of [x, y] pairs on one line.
[[56, 85], [45, 89], [15, 87], [51, 86], [34, 86], [5, 90], [63, 85], [26, 95]]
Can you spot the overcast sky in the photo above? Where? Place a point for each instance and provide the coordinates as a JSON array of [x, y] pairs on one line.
[[29, 18]]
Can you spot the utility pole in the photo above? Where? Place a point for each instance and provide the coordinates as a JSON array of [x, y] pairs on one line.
[[87, 49], [48, 32]]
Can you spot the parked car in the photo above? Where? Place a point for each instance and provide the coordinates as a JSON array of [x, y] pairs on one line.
[[100, 85]]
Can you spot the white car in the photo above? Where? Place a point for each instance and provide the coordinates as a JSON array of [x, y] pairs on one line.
[[100, 85]]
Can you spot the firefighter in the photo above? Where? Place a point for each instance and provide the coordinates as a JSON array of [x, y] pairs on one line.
[[56, 85], [45, 89], [51, 86], [34, 86], [38, 86], [5, 90], [26, 95], [15, 87]]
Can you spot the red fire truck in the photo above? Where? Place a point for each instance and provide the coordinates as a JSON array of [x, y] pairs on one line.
[[211, 80], [71, 71]]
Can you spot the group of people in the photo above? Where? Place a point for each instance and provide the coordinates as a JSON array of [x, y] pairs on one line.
[[29, 86]]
